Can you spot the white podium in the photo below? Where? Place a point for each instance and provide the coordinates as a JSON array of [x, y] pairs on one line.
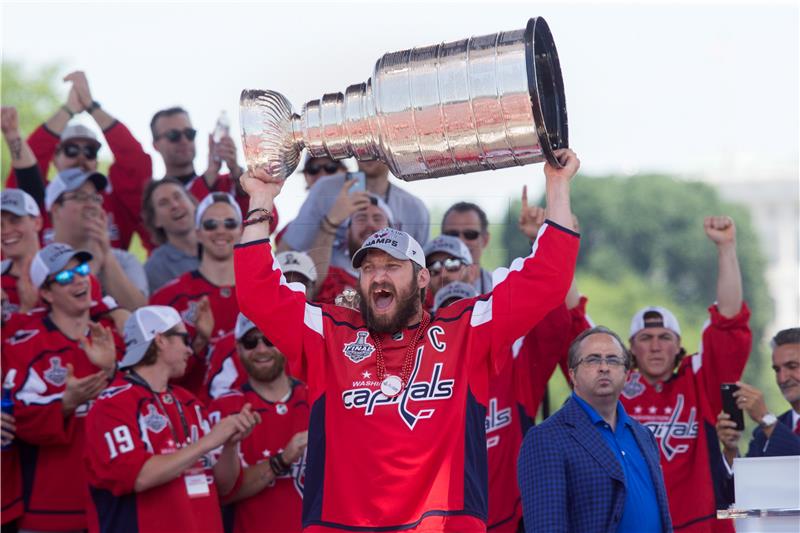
[[767, 491]]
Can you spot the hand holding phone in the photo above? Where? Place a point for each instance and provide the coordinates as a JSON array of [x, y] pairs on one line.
[[361, 181], [729, 404]]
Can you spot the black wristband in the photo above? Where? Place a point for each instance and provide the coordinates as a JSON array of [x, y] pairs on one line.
[[278, 465], [94, 105], [256, 210]]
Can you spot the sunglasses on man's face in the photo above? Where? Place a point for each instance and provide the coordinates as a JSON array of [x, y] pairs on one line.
[[468, 234], [251, 341], [314, 168], [210, 224], [450, 264], [66, 276], [187, 341], [72, 150], [174, 136]]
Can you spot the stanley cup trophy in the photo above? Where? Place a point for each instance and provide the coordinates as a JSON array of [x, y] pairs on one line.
[[487, 102]]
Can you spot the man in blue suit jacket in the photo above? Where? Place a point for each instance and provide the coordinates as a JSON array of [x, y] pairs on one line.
[[775, 435], [591, 468]]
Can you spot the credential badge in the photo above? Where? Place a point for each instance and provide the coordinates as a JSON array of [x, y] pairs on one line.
[[360, 349]]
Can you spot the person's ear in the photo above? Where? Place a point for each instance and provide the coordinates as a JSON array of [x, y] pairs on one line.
[[423, 278]]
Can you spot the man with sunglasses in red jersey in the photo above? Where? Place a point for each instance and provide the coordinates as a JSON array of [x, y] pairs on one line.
[[206, 297], [269, 496], [76, 146], [174, 138], [74, 201], [59, 362]]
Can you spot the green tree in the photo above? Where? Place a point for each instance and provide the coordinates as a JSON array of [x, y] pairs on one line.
[[642, 242], [33, 93]]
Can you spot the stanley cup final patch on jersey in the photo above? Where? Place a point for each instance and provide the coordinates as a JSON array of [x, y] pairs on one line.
[[633, 387], [153, 420], [360, 349], [56, 375]]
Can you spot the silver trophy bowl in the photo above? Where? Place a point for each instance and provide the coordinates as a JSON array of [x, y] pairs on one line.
[[483, 103]]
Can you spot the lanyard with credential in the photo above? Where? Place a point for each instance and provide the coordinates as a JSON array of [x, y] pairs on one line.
[[139, 380]]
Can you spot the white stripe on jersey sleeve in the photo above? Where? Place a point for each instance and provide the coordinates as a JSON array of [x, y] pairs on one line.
[[32, 390], [697, 360], [481, 312], [516, 347], [313, 319], [225, 378]]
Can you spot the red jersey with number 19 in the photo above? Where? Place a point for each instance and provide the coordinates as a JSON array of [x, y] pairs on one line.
[[417, 460]]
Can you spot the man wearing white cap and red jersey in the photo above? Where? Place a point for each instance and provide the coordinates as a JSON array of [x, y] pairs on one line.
[[678, 397], [76, 146], [148, 455], [406, 392]]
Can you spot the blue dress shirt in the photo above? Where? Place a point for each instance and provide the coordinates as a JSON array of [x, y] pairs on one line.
[[641, 513]]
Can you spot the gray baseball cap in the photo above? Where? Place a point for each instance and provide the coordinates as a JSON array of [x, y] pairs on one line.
[[52, 259], [454, 290], [69, 180], [79, 131], [451, 246], [243, 325], [18, 202], [141, 328], [394, 242], [300, 262]]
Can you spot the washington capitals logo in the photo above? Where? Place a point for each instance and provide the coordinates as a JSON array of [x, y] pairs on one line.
[[110, 392], [633, 387], [360, 349], [56, 374], [416, 391], [153, 420], [298, 473], [22, 336], [668, 431], [496, 419]]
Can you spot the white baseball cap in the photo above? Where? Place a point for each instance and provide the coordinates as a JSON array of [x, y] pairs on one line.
[[52, 259], [213, 198], [654, 317], [69, 180], [457, 290], [79, 131], [449, 245], [243, 326], [394, 242], [18, 202], [141, 328], [299, 262]]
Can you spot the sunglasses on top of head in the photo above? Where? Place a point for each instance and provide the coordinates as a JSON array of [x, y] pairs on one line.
[[73, 150], [469, 234], [174, 136], [210, 224], [314, 168], [66, 276], [251, 341]]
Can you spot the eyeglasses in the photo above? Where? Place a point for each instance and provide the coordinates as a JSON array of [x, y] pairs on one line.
[[596, 360], [210, 224], [251, 341], [314, 168], [187, 341], [468, 234], [84, 197], [66, 276], [73, 150], [174, 136], [451, 265]]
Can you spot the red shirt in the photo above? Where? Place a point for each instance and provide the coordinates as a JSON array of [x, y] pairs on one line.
[[277, 508], [11, 478], [127, 426], [335, 282], [51, 445], [128, 176], [417, 460], [184, 293], [682, 412]]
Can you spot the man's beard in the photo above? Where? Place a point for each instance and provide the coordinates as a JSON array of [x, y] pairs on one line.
[[265, 375], [407, 306]]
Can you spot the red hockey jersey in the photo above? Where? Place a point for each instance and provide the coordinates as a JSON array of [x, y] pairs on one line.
[[10, 471], [682, 412], [128, 175], [125, 427], [225, 372], [277, 508], [337, 280], [51, 445], [184, 293], [416, 460]]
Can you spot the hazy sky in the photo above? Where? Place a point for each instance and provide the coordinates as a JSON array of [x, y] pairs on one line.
[[709, 91]]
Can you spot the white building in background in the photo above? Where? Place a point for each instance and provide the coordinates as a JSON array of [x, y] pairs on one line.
[[775, 207]]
